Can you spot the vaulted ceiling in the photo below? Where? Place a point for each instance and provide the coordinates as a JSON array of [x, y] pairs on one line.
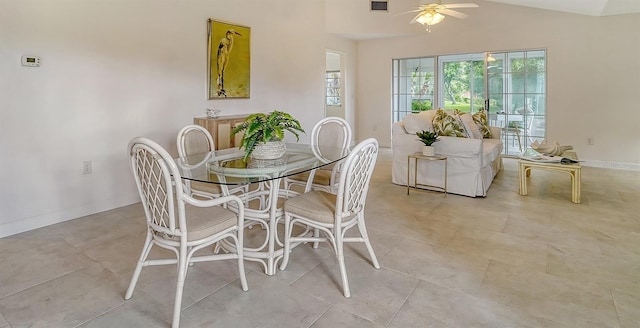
[[583, 7]]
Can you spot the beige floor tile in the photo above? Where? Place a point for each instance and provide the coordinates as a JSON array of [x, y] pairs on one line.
[[268, 303], [28, 263], [601, 270], [65, 301], [627, 302], [339, 318], [500, 247], [420, 227], [432, 305], [547, 296], [3, 322], [141, 312], [436, 264], [375, 294]]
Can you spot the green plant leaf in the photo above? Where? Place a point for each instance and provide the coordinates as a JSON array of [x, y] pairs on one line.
[[260, 127]]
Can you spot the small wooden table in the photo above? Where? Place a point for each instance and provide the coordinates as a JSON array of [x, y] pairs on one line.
[[574, 170], [419, 156]]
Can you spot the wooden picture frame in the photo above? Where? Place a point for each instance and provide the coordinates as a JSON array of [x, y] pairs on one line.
[[228, 60]]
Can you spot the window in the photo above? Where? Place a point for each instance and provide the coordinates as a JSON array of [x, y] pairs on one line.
[[333, 88], [513, 82], [413, 86]]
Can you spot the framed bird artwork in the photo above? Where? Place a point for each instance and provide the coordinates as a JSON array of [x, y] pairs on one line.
[[229, 60]]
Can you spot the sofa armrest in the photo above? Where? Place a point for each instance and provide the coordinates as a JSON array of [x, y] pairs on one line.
[[495, 132]]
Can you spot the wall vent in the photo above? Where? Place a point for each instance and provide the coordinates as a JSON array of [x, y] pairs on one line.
[[379, 5]]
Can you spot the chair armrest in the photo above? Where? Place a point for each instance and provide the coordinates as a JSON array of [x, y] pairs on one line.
[[219, 201]]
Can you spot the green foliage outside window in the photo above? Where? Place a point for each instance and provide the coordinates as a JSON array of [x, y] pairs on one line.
[[420, 105]]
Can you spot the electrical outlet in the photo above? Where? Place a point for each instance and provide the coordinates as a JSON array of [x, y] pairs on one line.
[[86, 167], [590, 141]]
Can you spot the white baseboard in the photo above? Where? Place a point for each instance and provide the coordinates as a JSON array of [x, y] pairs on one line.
[[612, 165], [22, 225]]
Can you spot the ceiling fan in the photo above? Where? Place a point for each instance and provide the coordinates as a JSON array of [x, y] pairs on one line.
[[433, 13]]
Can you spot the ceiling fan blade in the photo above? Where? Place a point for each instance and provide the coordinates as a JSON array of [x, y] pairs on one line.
[[415, 19], [453, 13], [408, 12], [462, 5]]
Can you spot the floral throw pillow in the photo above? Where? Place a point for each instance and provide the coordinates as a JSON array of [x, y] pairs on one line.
[[470, 126], [480, 117], [447, 124]]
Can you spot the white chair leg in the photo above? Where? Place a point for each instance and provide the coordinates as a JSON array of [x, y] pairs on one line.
[[188, 251], [182, 273], [143, 257], [287, 240], [341, 264], [365, 236], [240, 251]]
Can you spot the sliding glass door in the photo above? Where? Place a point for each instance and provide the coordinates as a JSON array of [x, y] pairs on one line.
[[510, 85], [462, 82], [516, 88]]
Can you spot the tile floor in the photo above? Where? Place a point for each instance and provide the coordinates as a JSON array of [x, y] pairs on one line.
[[501, 261]]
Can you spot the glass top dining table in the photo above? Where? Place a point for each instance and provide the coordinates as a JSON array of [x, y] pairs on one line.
[[263, 179], [227, 166]]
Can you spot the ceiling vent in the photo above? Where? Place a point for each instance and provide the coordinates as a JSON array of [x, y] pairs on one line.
[[379, 5]]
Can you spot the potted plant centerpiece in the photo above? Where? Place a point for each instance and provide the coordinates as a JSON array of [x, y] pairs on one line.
[[427, 138], [263, 134]]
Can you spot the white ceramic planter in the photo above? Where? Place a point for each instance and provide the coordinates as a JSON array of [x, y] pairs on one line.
[[428, 151]]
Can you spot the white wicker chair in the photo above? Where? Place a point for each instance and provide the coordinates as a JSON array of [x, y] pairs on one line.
[[195, 139], [334, 214], [330, 131], [179, 222]]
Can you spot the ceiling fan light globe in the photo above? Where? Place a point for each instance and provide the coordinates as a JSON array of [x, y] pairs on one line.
[[430, 18]]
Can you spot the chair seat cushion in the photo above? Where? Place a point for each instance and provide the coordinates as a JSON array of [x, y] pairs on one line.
[[318, 206], [203, 222]]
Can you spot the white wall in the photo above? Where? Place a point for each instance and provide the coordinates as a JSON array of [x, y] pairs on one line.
[[112, 70], [593, 68], [349, 52]]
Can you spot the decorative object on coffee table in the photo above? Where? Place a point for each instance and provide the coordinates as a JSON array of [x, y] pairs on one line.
[[550, 149], [263, 134], [427, 138]]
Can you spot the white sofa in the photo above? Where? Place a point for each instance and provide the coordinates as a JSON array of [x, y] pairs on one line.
[[471, 163]]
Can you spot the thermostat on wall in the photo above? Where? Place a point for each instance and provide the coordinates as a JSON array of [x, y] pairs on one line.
[[31, 61]]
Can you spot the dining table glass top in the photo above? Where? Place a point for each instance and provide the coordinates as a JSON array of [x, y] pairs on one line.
[[227, 166]]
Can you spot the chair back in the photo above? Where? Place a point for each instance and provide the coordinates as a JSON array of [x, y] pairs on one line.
[[332, 131], [158, 181], [355, 178], [331, 135], [194, 139]]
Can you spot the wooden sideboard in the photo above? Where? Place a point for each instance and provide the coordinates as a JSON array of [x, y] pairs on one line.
[[220, 128]]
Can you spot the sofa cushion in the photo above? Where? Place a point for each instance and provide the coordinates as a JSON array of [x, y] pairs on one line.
[[414, 123], [480, 117], [470, 126], [447, 124]]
